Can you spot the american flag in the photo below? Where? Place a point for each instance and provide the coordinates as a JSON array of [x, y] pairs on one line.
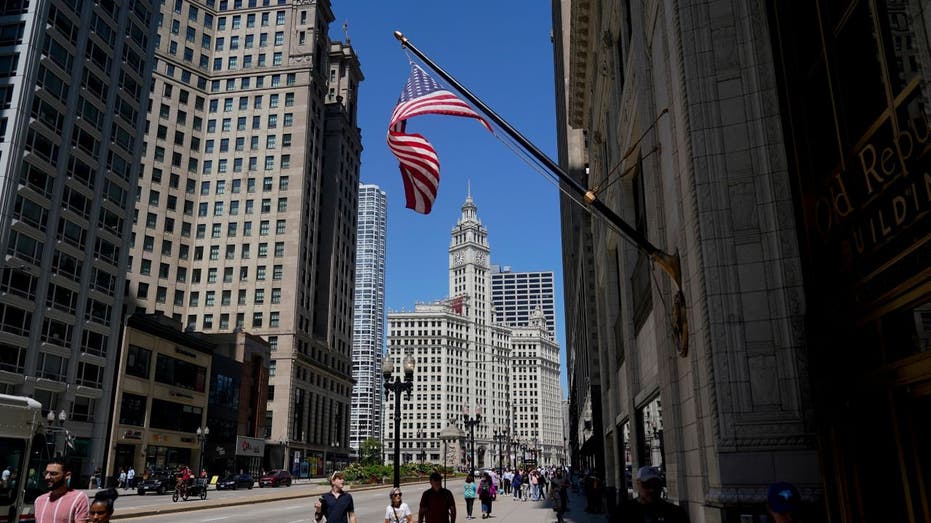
[[420, 166]]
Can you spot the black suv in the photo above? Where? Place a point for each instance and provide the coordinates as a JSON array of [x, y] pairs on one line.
[[160, 482]]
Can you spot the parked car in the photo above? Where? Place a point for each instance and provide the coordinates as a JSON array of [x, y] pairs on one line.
[[275, 478], [159, 481], [235, 481]]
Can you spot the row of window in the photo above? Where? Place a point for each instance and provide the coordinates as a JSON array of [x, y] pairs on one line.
[[261, 272]]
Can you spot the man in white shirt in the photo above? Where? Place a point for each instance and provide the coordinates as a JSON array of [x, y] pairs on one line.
[[130, 477]]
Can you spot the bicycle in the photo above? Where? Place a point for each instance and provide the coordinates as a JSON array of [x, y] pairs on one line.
[[181, 490]]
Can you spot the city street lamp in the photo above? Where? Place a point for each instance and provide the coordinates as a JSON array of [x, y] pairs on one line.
[[450, 433], [397, 387], [512, 452], [500, 436], [420, 443], [470, 424], [533, 451], [202, 434], [56, 423]]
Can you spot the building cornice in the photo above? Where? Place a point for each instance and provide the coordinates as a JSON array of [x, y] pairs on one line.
[[579, 57]]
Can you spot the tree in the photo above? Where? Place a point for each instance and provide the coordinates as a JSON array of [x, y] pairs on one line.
[[370, 452]]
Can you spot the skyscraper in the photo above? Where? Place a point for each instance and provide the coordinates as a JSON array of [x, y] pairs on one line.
[[469, 367], [516, 295], [253, 123], [73, 93], [368, 324]]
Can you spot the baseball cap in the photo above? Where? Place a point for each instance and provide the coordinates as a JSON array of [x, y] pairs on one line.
[[783, 498], [436, 476], [337, 475], [647, 473]]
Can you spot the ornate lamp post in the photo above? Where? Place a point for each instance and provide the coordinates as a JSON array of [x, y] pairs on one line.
[[56, 423], [421, 435], [533, 451], [397, 387], [500, 436], [512, 452], [202, 434], [470, 423]]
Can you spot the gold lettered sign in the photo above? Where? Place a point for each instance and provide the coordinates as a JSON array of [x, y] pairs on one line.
[[874, 212]]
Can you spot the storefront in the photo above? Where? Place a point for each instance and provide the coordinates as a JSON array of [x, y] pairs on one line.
[[854, 84]]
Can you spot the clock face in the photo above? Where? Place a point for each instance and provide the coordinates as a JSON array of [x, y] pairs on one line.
[[481, 257], [459, 257]]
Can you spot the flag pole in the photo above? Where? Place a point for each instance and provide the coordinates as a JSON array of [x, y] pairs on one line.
[[668, 262]]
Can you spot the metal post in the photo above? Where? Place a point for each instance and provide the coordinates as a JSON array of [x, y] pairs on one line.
[[397, 387], [397, 433]]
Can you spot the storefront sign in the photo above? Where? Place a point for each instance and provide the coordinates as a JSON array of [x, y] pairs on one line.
[[250, 446], [132, 434]]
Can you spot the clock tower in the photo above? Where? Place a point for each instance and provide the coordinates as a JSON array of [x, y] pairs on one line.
[[469, 264]]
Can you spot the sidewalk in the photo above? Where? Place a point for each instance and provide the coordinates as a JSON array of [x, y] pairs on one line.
[[507, 509]]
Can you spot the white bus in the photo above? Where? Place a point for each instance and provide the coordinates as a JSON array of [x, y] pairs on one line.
[[23, 454]]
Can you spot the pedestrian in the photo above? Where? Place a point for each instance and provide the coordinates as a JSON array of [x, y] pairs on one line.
[[121, 479], [783, 503], [506, 479], [535, 485], [61, 504], [559, 485], [101, 508], [469, 491], [649, 506], [336, 506], [397, 511], [131, 477], [437, 504], [486, 494], [516, 482]]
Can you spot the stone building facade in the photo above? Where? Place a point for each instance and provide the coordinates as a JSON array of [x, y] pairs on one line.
[[670, 111], [247, 205], [780, 150], [74, 87]]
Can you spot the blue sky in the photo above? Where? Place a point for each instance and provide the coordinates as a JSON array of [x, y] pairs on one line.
[[502, 52]]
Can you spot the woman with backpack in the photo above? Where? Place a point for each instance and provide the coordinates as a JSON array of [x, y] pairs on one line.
[[486, 494]]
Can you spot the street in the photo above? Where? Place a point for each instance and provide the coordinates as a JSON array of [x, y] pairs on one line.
[[133, 501], [369, 503]]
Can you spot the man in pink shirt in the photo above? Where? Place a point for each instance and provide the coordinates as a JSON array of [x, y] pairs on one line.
[[61, 504]]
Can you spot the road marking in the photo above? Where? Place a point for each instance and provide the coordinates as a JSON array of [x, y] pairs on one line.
[[298, 520], [216, 518]]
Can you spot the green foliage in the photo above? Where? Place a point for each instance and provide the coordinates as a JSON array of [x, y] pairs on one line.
[[370, 452]]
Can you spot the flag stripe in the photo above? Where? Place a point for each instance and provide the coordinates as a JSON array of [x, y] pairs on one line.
[[417, 159]]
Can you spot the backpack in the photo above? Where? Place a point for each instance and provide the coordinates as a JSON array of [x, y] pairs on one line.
[[483, 490]]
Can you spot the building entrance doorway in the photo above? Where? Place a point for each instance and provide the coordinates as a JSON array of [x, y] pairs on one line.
[[913, 410]]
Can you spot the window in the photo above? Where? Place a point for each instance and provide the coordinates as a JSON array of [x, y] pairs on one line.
[[279, 18]]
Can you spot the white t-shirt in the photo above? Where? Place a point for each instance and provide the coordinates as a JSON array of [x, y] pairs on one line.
[[397, 515]]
